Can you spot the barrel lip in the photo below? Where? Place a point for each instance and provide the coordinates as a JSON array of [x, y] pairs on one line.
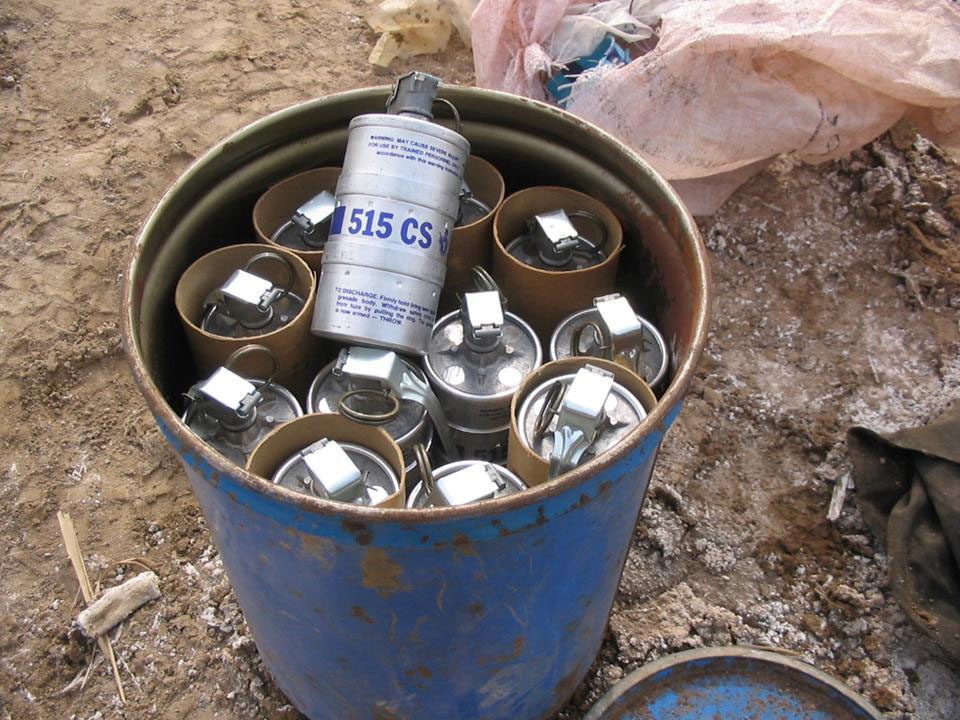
[[658, 420], [622, 688]]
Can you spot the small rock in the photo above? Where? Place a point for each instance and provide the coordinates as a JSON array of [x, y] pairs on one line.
[[712, 397], [855, 628], [936, 223], [613, 672], [8, 81], [933, 190], [846, 594]]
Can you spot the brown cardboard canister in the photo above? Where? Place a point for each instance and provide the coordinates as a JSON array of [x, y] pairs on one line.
[[295, 435], [532, 468], [297, 352], [277, 205], [471, 244], [542, 297]]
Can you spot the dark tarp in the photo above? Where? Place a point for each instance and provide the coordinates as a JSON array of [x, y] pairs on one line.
[[908, 489]]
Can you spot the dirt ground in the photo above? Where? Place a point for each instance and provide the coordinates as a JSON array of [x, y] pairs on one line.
[[829, 313]]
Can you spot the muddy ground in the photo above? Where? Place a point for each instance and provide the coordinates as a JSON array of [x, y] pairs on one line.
[[829, 312]]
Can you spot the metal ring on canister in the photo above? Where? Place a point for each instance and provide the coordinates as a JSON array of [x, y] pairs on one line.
[[612, 330], [296, 350], [460, 483], [544, 297], [276, 211], [331, 457]]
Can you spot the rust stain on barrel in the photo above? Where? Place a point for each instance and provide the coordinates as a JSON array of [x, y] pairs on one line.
[[323, 550], [381, 573]]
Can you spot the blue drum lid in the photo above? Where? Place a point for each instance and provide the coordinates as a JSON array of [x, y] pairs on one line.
[[730, 683]]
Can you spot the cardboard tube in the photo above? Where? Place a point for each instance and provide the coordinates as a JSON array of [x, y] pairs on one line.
[[471, 244], [294, 436], [297, 351], [532, 468], [542, 297], [277, 205]]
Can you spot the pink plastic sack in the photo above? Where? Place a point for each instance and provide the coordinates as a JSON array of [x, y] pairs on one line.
[[733, 83]]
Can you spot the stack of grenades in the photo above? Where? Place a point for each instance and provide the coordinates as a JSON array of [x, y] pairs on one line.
[[410, 410]]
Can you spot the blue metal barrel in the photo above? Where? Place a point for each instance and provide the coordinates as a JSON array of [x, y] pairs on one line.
[[488, 611]]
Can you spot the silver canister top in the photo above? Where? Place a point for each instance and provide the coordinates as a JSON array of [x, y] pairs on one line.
[[612, 330], [552, 242], [233, 413], [390, 371], [339, 471], [309, 226], [482, 350], [461, 483], [576, 417], [248, 304], [368, 400]]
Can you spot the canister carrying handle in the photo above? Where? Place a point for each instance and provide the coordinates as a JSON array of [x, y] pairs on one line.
[[291, 276], [426, 470], [359, 416]]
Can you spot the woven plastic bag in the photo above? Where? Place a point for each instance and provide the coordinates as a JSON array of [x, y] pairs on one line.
[[733, 83]]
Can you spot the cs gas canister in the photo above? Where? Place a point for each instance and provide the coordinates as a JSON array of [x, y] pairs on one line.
[[478, 356], [398, 200], [461, 483], [370, 400], [233, 413], [577, 416], [341, 471], [248, 304], [612, 330]]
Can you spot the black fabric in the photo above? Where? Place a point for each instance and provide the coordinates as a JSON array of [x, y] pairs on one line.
[[908, 489]]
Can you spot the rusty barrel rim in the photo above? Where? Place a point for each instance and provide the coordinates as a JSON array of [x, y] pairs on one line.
[[683, 226], [616, 702]]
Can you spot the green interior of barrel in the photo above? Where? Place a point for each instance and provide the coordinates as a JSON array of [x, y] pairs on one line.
[[211, 207]]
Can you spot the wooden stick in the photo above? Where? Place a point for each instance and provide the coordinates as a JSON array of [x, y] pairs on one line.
[[76, 558]]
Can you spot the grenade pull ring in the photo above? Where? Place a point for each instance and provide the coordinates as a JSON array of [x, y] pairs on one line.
[[549, 410], [249, 350], [369, 418], [602, 346], [277, 293], [426, 470]]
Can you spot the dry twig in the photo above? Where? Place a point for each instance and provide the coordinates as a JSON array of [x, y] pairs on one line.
[[72, 545]]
